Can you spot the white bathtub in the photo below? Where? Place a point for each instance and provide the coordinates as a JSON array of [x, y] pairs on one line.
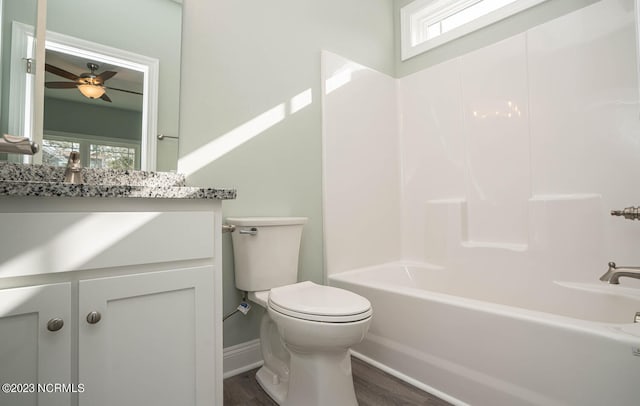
[[561, 344]]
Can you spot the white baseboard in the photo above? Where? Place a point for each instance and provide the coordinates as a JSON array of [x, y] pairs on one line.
[[241, 358]]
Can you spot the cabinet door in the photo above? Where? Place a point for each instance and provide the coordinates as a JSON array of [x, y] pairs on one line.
[[31, 354], [154, 342]]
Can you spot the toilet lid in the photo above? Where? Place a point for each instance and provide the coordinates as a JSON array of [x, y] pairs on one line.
[[308, 301]]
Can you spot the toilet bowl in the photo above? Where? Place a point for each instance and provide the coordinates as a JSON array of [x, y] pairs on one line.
[[307, 329]]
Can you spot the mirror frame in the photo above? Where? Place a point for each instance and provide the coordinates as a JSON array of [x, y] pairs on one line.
[[20, 108], [35, 114], [38, 91]]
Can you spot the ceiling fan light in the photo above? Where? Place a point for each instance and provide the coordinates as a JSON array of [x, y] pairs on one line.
[[91, 91]]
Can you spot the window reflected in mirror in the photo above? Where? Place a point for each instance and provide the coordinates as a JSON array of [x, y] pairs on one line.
[[94, 152]]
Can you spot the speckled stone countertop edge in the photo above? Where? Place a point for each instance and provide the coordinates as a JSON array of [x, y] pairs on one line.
[[47, 181], [99, 176], [54, 189]]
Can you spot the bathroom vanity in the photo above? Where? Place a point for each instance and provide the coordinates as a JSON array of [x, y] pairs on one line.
[[110, 291]]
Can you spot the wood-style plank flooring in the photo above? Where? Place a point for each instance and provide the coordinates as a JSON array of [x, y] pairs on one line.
[[373, 388]]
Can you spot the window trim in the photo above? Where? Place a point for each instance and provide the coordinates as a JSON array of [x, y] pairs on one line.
[[417, 15]]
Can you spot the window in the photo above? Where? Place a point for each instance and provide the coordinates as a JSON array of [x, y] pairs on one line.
[[95, 152], [426, 24]]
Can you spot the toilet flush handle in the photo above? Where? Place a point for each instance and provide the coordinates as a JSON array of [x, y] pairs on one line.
[[250, 231]]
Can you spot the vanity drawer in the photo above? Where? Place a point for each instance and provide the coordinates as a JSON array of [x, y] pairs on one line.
[[36, 243]]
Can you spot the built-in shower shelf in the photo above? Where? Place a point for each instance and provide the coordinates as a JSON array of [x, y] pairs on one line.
[[553, 222]]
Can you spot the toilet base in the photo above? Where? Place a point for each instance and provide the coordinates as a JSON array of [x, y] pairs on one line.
[[271, 383], [317, 379], [320, 379]]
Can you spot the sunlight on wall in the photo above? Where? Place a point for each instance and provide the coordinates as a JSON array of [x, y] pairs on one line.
[[13, 298], [341, 77], [226, 143], [210, 152], [53, 253], [300, 101]]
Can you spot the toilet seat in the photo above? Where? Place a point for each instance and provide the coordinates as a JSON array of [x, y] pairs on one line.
[[312, 302]]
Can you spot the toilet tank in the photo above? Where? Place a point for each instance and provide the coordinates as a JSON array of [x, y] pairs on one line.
[[265, 251]]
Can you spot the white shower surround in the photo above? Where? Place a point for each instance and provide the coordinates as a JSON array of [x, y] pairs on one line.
[[499, 165]]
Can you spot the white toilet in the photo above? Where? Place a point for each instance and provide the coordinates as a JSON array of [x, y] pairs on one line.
[[307, 329]]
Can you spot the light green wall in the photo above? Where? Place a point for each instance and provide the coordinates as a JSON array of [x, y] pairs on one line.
[[504, 29], [88, 119], [242, 58]]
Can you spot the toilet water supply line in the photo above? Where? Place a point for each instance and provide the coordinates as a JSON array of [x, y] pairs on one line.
[[243, 307]]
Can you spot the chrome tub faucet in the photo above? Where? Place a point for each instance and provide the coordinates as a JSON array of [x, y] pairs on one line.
[[630, 213], [614, 273]]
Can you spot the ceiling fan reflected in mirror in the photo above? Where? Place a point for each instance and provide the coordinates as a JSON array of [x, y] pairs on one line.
[[90, 84]]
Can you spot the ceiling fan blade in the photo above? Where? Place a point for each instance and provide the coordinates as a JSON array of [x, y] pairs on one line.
[[123, 90], [106, 75], [60, 85], [60, 72], [105, 98]]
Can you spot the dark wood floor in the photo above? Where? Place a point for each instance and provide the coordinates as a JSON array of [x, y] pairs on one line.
[[373, 388]]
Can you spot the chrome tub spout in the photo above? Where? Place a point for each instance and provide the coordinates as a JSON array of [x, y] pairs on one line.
[[614, 273]]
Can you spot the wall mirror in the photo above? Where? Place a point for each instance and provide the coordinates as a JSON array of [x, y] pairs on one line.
[[111, 83]]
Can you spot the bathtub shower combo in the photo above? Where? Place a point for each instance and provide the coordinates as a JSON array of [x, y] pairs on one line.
[[471, 203]]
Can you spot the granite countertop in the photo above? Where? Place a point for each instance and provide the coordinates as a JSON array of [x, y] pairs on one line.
[[47, 181]]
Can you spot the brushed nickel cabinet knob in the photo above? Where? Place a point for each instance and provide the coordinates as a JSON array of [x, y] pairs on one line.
[[93, 317], [55, 324]]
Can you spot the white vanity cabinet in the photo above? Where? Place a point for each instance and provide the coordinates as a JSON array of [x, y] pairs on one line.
[[29, 352], [137, 285], [145, 339]]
